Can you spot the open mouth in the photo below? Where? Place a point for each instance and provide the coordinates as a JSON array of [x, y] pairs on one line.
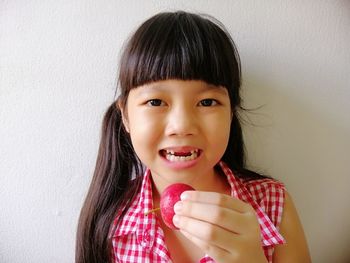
[[180, 156]]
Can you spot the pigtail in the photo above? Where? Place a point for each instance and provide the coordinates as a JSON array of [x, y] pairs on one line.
[[110, 190]]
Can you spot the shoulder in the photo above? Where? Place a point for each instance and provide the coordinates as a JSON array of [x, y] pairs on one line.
[[295, 249]]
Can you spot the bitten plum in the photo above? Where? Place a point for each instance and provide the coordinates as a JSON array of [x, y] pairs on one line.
[[168, 199]]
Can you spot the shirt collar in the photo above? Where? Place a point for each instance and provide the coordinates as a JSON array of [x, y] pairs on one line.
[[145, 225], [136, 220]]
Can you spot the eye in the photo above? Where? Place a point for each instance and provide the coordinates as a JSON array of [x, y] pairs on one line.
[[155, 103], [208, 102]]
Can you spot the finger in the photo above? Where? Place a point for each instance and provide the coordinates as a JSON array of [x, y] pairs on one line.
[[211, 234], [228, 219], [216, 199]]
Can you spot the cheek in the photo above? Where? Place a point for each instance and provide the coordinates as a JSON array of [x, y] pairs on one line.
[[144, 133], [220, 133]]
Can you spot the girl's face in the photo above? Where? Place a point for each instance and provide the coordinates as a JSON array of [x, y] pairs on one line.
[[179, 129]]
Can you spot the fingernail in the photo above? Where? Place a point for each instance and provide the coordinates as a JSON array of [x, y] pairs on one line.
[[178, 207], [176, 220], [184, 196]]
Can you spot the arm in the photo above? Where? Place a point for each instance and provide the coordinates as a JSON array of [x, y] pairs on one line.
[[296, 249]]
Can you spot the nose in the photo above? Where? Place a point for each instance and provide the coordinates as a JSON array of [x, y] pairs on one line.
[[181, 121]]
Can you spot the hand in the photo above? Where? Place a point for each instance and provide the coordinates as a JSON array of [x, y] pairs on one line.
[[224, 227]]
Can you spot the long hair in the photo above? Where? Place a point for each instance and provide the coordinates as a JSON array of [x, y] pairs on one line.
[[176, 45]]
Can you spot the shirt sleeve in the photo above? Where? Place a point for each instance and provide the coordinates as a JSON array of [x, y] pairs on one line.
[[270, 195]]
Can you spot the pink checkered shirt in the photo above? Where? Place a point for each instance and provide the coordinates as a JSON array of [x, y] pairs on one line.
[[139, 237]]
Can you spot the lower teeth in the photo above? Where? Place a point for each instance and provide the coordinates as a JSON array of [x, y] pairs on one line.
[[174, 158]]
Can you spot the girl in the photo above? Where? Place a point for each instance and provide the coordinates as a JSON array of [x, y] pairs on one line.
[[176, 120]]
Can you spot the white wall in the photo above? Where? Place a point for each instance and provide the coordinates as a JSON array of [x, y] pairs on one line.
[[58, 62]]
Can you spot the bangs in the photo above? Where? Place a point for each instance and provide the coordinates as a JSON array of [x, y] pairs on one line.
[[180, 46]]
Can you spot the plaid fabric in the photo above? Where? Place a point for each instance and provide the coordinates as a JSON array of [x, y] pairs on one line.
[[139, 237]]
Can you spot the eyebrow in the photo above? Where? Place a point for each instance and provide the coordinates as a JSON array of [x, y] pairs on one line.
[[159, 87], [220, 89]]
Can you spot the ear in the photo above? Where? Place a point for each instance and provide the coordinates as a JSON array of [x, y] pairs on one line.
[[124, 116]]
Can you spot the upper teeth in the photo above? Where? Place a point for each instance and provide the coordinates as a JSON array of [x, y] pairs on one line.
[[173, 152], [170, 155]]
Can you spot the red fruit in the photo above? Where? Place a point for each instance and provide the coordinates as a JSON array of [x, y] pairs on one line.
[[168, 199]]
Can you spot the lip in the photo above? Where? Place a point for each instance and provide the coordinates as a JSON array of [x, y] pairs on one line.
[[178, 165]]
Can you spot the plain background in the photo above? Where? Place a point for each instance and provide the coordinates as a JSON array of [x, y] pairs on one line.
[[58, 64]]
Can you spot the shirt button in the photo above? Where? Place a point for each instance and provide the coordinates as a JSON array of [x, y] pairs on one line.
[[146, 236], [146, 239]]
